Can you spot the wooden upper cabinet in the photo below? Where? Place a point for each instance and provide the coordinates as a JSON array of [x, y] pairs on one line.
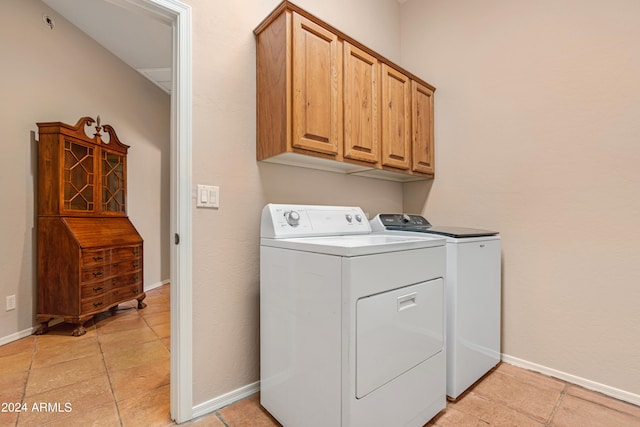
[[396, 118], [361, 111], [317, 90], [327, 102], [422, 125]]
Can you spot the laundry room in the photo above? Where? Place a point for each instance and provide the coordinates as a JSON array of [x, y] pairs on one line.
[[535, 110]]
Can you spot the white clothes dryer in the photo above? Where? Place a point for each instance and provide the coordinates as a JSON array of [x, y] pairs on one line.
[[351, 323], [473, 295]]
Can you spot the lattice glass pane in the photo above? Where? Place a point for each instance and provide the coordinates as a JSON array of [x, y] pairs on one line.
[[112, 182], [79, 204], [78, 177]]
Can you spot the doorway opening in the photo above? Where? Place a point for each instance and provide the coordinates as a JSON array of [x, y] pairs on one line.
[[178, 16]]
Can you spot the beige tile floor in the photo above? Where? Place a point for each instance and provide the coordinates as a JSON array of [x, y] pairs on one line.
[[118, 375]]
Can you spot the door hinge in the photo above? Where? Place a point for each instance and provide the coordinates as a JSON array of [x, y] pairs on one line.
[[176, 238]]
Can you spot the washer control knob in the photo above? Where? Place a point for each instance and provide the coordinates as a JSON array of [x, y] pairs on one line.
[[405, 218], [293, 218], [349, 217], [358, 217]]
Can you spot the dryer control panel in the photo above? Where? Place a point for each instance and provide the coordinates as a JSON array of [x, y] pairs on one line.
[[285, 221]]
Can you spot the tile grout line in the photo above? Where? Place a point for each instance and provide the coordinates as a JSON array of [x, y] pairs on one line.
[[557, 405], [219, 415], [45, 367], [106, 368], [26, 382], [602, 405], [147, 323], [508, 405]]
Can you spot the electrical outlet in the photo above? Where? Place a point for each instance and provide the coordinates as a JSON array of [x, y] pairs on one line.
[[11, 302]]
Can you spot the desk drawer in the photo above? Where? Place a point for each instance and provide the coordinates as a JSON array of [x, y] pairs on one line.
[[91, 290], [126, 253], [93, 274], [96, 304], [125, 293], [92, 258], [127, 266]]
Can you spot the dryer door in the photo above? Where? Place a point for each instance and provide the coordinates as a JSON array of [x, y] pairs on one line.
[[396, 331]]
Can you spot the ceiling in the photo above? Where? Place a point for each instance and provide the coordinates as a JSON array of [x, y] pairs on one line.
[[142, 42]]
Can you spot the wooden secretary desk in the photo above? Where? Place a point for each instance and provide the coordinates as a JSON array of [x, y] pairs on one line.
[[89, 252]]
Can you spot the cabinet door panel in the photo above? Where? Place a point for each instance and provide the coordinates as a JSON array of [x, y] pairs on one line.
[[422, 125], [396, 118], [316, 87], [361, 125]]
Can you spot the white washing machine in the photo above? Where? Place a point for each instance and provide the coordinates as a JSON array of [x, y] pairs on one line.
[[351, 323], [473, 296]]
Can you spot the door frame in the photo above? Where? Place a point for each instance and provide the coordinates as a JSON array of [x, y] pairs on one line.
[[178, 15]]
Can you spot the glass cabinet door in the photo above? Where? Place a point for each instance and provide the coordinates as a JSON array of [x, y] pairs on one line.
[[78, 177], [113, 182]]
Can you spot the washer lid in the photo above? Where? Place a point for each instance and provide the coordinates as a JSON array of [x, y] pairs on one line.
[[355, 245], [443, 230]]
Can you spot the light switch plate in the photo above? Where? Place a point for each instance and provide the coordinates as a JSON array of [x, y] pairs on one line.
[[208, 196]]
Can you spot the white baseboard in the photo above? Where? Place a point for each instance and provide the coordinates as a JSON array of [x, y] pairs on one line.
[[147, 288], [17, 335], [573, 379], [26, 332], [225, 400]]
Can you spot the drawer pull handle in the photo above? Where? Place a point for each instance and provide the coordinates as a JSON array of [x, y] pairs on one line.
[[97, 258], [98, 273], [116, 292], [97, 304], [136, 265], [407, 301], [136, 277], [98, 289], [135, 291], [114, 281], [135, 251]]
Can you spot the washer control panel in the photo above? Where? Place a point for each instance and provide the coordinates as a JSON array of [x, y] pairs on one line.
[[280, 221], [403, 220]]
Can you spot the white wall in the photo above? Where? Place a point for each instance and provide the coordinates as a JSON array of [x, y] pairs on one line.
[[226, 241], [62, 75], [537, 128]]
